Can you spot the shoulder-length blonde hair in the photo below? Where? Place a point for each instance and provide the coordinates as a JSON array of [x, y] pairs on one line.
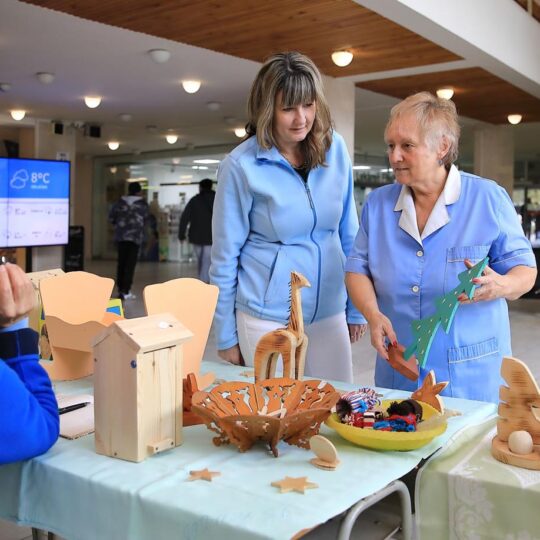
[[299, 81], [437, 119]]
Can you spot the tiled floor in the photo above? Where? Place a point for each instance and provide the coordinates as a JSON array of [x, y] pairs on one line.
[[379, 522]]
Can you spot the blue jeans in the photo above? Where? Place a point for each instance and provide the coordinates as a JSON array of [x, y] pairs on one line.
[[203, 261]]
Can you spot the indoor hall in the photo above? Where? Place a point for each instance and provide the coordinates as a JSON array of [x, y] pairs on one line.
[[149, 127]]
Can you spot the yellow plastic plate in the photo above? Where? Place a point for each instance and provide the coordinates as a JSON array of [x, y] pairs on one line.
[[388, 440]]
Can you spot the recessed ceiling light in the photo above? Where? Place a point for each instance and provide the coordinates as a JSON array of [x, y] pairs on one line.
[[515, 118], [17, 114], [214, 105], [176, 160], [113, 145], [44, 77], [445, 93], [92, 101], [342, 58], [171, 138], [113, 169], [191, 86], [125, 117], [159, 56], [240, 132], [206, 161], [361, 167]]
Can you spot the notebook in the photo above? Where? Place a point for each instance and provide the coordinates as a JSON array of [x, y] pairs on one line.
[[75, 424]]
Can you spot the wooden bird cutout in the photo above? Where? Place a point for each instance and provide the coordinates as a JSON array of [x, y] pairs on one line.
[[289, 342], [299, 484], [203, 474], [429, 392]]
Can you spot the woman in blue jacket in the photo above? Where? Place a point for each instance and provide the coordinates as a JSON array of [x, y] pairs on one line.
[[418, 235], [29, 422], [285, 202]]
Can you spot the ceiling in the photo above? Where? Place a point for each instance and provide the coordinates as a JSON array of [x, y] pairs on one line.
[[222, 44]]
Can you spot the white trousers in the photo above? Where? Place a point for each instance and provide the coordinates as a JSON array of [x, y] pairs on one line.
[[329, 353]]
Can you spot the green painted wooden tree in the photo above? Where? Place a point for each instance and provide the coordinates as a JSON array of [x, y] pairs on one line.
[[424, 329]]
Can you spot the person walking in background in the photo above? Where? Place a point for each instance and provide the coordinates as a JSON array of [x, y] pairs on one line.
[[29, 422], [198, 216], [285, 202], [129, 216]]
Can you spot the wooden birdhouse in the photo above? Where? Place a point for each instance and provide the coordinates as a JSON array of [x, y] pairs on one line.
[[138, 386]]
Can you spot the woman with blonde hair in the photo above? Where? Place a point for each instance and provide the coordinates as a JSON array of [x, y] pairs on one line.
[[418, 235], [285, 203]]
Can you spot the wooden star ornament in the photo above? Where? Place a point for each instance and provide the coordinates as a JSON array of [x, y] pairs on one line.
[[203, 474], [429, 392], [299, 484]]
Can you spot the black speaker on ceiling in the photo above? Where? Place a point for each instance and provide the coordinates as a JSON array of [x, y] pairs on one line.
[[92, 131]]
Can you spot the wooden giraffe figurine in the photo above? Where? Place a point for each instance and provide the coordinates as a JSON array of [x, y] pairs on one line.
[[290, 342]]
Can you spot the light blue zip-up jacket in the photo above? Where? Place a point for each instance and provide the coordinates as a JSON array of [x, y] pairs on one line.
[[268, 222]]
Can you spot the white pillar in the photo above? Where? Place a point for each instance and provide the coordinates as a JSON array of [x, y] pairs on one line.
[[340, 96], [494, 155]]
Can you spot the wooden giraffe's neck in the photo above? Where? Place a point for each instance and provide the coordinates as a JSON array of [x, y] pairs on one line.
[[296, 319]]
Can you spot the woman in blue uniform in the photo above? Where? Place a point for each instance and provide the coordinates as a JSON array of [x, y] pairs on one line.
[[418, 235], [285, 202]]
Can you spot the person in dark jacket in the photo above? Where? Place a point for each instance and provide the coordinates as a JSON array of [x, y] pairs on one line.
[[129, 216], [198, 215], [29, 422]]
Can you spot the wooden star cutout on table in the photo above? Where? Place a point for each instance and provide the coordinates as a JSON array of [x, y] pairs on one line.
[[299, 484], [203, 474]]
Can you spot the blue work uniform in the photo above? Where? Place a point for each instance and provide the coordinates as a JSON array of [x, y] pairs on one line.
[[473, 218], [268, 222]]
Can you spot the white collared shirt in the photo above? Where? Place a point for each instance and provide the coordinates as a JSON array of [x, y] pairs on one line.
[[439, 215]]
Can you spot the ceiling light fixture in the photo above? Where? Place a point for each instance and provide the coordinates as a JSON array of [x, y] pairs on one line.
[[113, 145], [342, 58], [45, 77], [17, 114], [159, 56], [171, 138], [113, 169], [240, 132], [176, 160], [514, 118], [361, 167], [125, 117], [445, 93], [92, 101], [191, 86], [214, 105], [206, 161]]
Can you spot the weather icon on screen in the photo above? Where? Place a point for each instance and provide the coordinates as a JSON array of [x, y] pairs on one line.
[[19, 179]]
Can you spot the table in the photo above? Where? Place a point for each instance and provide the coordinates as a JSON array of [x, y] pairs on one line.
[[74, 492], [466, 493]]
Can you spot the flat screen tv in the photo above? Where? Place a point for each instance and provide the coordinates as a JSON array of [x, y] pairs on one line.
[[34, 202]]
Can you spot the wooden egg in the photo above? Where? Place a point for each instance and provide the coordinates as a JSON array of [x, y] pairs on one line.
[[520, 442]]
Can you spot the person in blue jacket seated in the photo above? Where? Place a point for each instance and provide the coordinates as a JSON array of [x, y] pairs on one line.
[[285, 203], [29, 422], [417, 235]]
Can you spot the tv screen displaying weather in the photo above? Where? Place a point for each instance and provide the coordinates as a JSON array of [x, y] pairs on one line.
[[34, 202]]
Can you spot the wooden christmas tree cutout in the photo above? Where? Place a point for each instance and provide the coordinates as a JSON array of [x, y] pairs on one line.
[[203, 474], [429, 392], [299, 484], [290, 342], [424, 329], [516, 413]]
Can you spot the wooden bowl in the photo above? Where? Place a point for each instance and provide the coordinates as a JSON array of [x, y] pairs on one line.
[[269, 410]]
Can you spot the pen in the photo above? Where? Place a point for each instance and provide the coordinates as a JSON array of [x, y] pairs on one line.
[[75, 407]]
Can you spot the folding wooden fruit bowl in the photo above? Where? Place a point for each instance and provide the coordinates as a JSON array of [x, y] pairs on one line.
[[269, 410]]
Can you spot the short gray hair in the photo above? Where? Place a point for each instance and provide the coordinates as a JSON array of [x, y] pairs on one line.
[[437, 119]]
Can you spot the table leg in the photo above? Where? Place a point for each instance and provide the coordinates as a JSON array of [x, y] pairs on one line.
[[406, 516]]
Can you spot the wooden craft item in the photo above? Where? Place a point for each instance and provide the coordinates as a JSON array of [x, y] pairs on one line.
[[189, 388], [408, 368], [242, 413], [517, 413], [75, 306], [138, 386], [203, 474], [299, 484], [424, 329], [327, 456], [35, 278], [429, 392], [290, 342], [193, 303]]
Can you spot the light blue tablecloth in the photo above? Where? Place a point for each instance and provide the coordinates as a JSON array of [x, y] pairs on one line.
[[79, 494]]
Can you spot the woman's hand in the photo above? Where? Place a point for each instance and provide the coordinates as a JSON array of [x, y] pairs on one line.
[[17, 295], [356, 331], [232, 355], [491, 285], [381, 329]]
